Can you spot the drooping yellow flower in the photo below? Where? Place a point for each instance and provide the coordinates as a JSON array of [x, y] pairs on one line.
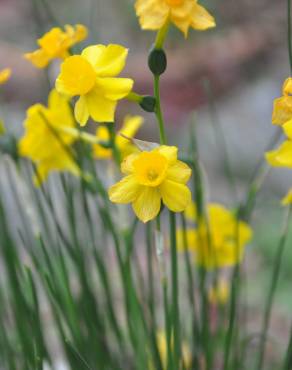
[[219, 294], [92, 76], [153, 14], [218, 241], [287, 199], [282, 111], [162, 348], [56, 44], [5, 75], [129, 129], [44, 141], [152, 177]]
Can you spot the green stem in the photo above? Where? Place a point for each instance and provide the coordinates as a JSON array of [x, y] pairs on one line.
[[158, 111], [175, 290], [273, 285], [161, 35]]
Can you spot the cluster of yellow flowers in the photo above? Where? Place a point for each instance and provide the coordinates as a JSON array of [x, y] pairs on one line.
[[153, 175], [282, 115], [217, 240]]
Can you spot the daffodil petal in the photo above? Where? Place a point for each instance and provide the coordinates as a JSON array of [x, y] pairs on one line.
[[170, 152], [125, 191], [115, 88], [38, 58], [281, 157], [201, 18], [108, 61], [147, 205], [81, 111], [179, 172], [175, 196], [100, 108], [127, 164]]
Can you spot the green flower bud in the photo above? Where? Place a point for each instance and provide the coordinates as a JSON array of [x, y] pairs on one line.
[[148, 103], [157, 61]]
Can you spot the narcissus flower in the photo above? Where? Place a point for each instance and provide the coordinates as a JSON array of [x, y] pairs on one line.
[[153, 14], [129, 129], [282, 111], [218, 241], [5, 74], [45, 142], [56, 44], [92, 76], [152, 177]]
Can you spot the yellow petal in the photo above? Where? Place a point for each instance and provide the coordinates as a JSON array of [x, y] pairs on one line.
[[282, 111], [152, 14], [81, 111], [127, 164], [175, 196], [38, 58], [147, 205], [287, 127], [130, 127], [281, 157], [125, 191], [115, 88], [179, 172], [99, 107], [108, 61], [191, 239], [201, 18], [170, 152]]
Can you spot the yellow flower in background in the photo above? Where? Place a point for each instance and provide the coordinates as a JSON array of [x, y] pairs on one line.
[[282, 111], [129, 129], [184, 14], [219, 294], [56, 44], [218, 242], [162, 348], [44, 141], [5, 75], [282, 156], [152, 177], [92, 76]]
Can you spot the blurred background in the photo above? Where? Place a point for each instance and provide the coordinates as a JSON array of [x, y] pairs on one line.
[[224, 80]]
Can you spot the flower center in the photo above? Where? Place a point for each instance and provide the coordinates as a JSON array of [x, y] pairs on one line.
[[150, 168], [77, 75], [174, 2]]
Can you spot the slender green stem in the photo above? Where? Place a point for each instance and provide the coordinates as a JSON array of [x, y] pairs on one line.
[[161, 35], [175, 289], [273, 285], [158, 110]]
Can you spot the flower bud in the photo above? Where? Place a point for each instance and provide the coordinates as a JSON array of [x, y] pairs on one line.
[[8, 145], [157, 61], [148, 103]]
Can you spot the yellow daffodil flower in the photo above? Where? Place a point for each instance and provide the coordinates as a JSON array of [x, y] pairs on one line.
[[282, 111], [56, 44], [219, 241], [5, 75], [219, 294], [152, 177], [153, 14], [92, 76], [162, 348], [129, 129], [44, 141]]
